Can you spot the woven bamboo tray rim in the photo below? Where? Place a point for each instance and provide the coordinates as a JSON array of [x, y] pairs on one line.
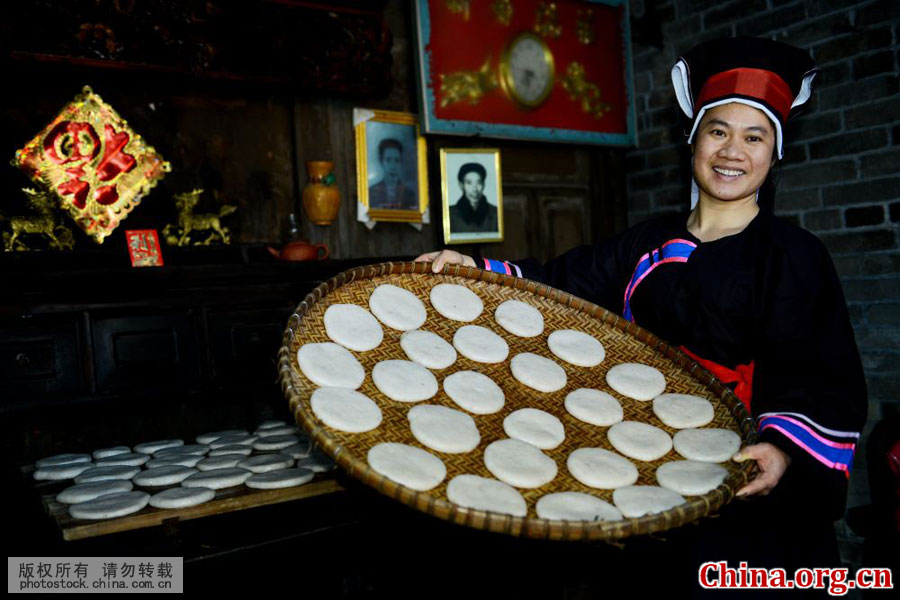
[[302, 328]]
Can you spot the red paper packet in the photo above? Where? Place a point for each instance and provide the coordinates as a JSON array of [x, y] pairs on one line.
[[143, 246]]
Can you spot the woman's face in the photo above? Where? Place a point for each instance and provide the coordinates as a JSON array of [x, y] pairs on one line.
[[733, 152]]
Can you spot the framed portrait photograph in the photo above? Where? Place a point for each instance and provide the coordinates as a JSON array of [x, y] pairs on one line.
[[391, 166], [471, 195]]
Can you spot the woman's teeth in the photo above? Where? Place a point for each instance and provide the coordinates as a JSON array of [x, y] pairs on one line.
[[728, 172]]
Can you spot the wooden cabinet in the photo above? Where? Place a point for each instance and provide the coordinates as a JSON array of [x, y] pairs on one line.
[[243, 344], [144, 334], [148, 350], [39, 355]]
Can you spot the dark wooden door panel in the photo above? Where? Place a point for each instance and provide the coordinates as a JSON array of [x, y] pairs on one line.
[[564, 223], [38, 356], [154, 351], [244, 344]]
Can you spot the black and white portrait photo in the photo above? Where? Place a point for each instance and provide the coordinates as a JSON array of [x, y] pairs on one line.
[[471, 189], [391, 167], [392, 190]]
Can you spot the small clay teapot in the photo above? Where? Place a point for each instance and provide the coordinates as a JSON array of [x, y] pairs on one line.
[[300, 250]]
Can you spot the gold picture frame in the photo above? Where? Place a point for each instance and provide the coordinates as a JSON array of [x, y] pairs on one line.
[[392, 181], [467, 220]]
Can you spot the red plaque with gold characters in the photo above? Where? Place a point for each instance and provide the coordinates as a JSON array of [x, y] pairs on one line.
[[97, 166], [143, 247]]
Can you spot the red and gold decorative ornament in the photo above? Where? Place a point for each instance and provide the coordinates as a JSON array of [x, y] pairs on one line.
[[93, 161]]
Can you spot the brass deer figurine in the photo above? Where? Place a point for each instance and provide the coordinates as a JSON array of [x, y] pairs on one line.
[[179, 233], [45, 223]]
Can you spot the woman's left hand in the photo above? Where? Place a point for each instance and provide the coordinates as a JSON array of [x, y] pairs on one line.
[[772, 463]]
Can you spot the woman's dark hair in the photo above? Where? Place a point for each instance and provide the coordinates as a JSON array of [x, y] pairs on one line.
[[766, 198]]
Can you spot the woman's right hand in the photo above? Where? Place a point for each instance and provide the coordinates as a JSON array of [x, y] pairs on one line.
[[439, 258]]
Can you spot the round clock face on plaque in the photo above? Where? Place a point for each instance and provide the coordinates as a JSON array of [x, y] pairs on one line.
[[526, 70]]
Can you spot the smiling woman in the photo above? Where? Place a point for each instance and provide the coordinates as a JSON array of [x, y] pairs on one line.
[[751, 298], [732, 155]]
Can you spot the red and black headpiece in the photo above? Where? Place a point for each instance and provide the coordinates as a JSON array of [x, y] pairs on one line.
[[771, 76]]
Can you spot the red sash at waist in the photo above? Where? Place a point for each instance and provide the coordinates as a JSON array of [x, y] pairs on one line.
[[742, 375]]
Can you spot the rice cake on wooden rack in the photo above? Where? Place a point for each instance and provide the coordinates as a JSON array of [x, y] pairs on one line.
[[624, 342]]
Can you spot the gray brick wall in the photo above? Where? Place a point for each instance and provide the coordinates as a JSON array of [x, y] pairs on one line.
[[841, 173]]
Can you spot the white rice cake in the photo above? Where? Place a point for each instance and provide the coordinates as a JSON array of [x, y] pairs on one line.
[[266, 462], [165, 475], [641, 441], [404, 380], [234, 440], [594, 406], [107, 452], [217, 479], [537, 372], [62, 459], [483, 493], [707, 445], [475, 392], [231, 449], [443, 429], [283, 478], [82, 492], [105, 473], [407, 465], [520, 319], [329, 364], [637, 381], [184, 460], [132, 459], [638, 500], [153, 447], [207, 438], [683, 411], [576, 506], [271, 423], [353, 327], [298, 450], [62, 472], [181, 497], [480, 344], [397, 308], [519, 464], [221, 461], [317, 462], [576, 347], [456, 302], [197, 449], [344, 410], [111, 506], [690, 477], [280, 430], [600, 468], [275, 442], [537, 427], [428, 349]]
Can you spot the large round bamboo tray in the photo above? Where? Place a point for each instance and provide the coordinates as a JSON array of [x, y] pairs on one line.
[[624, 342]]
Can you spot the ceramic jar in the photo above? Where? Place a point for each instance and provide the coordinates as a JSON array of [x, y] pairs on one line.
[[321, 197]]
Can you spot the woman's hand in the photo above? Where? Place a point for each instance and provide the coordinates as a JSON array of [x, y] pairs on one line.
[[439, 258], [772, 463]]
